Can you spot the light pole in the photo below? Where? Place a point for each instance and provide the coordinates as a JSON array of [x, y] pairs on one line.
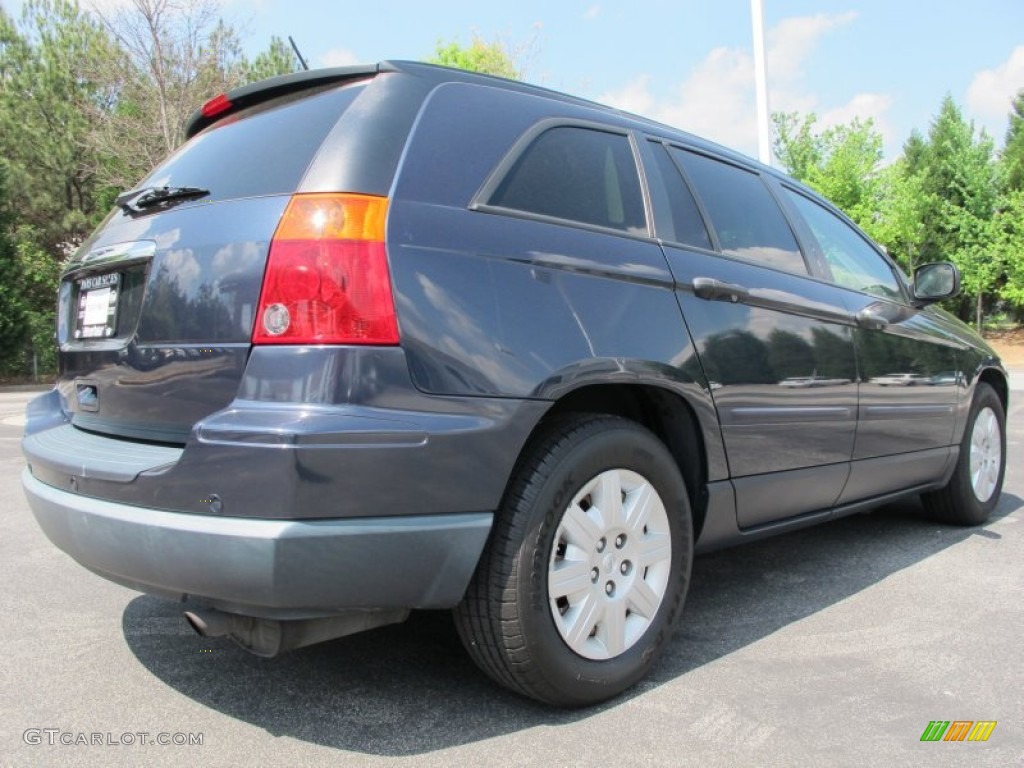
[[764, 139]]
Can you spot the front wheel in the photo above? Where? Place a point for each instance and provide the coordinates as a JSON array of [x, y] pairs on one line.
[[584, 575], [973, 490]]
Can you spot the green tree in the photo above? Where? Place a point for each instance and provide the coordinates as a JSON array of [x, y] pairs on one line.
[[795, 144], [844, 163], [937, 203], [957, 163], [1013, 152], [492, 58], [1008, 227], [277, 59], [89, 103], [958, 181], [48, 90], [841, 162], [12, 309], [40, 274], [1009, 218], [914, 150]]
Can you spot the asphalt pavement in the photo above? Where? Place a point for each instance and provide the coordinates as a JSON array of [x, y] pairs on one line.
[[836, 645]]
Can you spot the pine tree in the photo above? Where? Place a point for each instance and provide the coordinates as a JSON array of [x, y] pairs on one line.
[[12, 309], [957, 173], [277, 59], [1013, 153]]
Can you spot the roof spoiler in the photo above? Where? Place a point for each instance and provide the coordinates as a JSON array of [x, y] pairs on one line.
[[264, 90]]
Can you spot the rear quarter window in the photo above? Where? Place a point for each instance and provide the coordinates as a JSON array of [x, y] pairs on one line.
[[576, 174], [684, 223], [263, 150]]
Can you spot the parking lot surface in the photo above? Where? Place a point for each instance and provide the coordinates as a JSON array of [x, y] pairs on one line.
[[837, 645]]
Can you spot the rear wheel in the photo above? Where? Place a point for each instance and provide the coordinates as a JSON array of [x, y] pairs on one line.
[[973, 490], [585, 573]]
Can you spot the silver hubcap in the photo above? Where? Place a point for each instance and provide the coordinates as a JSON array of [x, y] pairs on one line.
[[610, 565], [986, 454]]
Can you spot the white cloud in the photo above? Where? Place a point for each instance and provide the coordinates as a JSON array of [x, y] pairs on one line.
[[634, 96], [716, 100], [865, 106], [991, 92], [592, 13], [791, 41], [339, 57]]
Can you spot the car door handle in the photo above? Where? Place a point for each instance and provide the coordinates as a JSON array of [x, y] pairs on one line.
[[870, 319], [715, 290]]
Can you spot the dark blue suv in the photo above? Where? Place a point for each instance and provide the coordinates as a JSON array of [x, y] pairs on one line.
[[400, 337]]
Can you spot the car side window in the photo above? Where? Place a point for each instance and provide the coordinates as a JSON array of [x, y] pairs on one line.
[[746, 218], [577, 174], [687, 226], [853, 262]]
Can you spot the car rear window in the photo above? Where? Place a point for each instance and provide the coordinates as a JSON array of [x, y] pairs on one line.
[[263, 150]]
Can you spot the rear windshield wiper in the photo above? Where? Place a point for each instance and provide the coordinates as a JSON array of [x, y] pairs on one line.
[[147, 197]]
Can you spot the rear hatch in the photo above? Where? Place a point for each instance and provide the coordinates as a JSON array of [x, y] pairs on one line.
[[156, 310]]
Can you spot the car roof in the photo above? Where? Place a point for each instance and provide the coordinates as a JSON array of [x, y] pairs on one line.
[[264, 90]]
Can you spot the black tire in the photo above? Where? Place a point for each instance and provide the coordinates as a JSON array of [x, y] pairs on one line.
[[958, 503], [507, 619]]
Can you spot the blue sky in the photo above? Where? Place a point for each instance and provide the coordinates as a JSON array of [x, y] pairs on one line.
[[689, 62]]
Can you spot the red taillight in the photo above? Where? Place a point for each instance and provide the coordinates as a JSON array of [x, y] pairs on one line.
[[327, 279], [216, 106]]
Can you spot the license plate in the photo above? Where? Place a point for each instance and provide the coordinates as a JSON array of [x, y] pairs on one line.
[[97, 306]]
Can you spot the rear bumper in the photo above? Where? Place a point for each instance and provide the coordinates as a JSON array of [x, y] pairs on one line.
[[282, 569], [330, 484], [323, 433]]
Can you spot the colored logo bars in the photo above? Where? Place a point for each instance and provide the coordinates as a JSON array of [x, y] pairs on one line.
[[958, 730]]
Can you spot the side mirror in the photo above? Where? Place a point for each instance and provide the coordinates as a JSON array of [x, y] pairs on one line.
[[935, 282]]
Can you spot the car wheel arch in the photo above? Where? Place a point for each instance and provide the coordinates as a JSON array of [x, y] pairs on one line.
[[986, 372], [996, 379], [669, 415]]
